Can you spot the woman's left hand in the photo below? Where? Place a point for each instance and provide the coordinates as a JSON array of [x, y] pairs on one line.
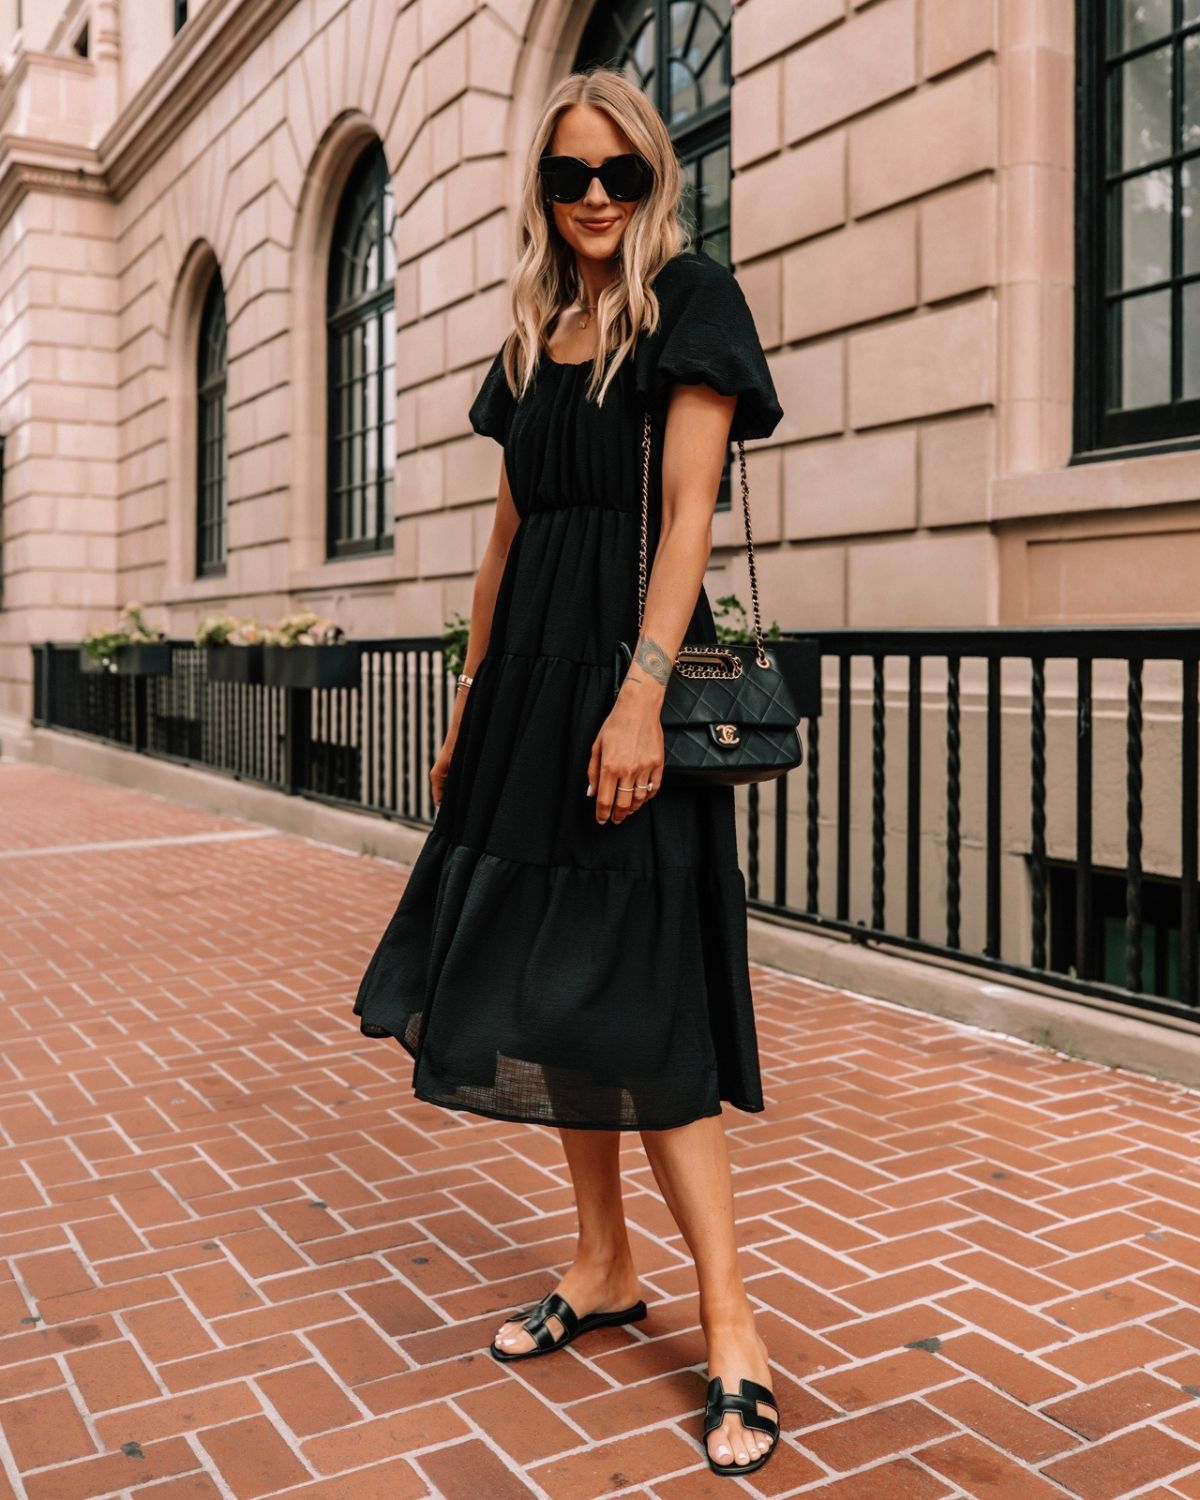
[[627, 753]]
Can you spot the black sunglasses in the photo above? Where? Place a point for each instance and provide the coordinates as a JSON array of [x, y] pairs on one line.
[[624, 178]]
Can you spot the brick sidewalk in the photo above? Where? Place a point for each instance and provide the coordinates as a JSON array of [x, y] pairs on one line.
[[241, 1260]]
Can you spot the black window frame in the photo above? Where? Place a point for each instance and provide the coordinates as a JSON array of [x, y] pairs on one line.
[[611, 37], [212, 449], [1101, 433], [368, 191]]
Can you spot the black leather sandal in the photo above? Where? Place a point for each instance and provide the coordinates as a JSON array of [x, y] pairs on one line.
[[554, 1306], [718, 1401]]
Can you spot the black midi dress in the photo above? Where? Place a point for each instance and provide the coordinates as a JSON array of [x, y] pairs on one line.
[[542, 966]]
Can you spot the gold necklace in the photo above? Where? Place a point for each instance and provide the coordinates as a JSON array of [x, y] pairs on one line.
[[588, 310]]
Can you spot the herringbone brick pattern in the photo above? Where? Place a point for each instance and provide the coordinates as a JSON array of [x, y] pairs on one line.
[[241, 1260]]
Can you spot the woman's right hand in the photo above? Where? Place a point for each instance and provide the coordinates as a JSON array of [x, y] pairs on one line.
[[441, 766]]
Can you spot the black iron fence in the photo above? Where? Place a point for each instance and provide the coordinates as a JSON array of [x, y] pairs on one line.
[[368, 746], [1021, 800]]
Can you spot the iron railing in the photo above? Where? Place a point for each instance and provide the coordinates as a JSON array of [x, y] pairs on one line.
[[1023, 801], [1032, 806], [368, 746]]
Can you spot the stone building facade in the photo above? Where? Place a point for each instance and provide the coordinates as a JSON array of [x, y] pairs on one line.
[[894, 182]]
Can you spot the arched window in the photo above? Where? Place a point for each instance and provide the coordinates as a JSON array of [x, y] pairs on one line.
[[212, 488], [361, 340], [678, 52]]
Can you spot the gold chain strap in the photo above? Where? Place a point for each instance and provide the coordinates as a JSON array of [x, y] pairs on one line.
[[760, 654]]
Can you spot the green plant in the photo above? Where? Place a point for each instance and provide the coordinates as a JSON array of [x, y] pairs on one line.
[[227, 630], [454, 642], [131, 630], [304, 629], [730, 608]]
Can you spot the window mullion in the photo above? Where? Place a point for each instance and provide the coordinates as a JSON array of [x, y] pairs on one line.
[[1178, 106], [362, 380], [379, 427], [211, 488], [662, 43], [200, 425], [380, 205], [333, 526]]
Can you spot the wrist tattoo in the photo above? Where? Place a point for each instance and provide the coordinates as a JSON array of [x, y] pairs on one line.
[[651, 656]]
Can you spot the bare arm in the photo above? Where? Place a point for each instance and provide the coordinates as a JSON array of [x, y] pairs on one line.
[[505, 521], [628, 751]]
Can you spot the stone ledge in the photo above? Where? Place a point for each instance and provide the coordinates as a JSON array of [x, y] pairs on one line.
[[16, 738], [1116, 484]]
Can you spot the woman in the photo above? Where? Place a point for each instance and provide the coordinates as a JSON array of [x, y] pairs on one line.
[[575, 955]]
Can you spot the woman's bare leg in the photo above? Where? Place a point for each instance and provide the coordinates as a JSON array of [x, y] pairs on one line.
[[691, 1167], [602, 1275]]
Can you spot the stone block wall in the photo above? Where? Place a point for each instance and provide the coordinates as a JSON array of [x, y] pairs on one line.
[[901, 226]]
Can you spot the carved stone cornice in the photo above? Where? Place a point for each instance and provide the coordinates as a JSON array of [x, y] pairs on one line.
[[209, 50], [27, 164]]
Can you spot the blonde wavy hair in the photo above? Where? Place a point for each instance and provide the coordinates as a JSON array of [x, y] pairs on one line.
[[546, 276]]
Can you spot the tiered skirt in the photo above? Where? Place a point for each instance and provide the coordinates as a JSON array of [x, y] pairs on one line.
[[541, 966]]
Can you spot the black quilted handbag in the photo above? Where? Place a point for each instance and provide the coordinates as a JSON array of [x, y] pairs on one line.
[[728, 715]]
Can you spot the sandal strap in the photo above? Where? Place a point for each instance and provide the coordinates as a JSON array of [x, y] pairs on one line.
[[719, 1401], [551, 1306], [755, 1391]]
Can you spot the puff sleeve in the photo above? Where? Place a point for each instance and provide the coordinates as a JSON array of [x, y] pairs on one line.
[[706, 335], [493, 404]]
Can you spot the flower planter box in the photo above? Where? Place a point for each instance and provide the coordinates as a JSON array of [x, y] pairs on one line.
[[234, 663], [142, 659], [312, 666]]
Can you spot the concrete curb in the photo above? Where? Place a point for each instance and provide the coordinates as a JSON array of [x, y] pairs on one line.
[[1167, 1047], [362, 833]]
